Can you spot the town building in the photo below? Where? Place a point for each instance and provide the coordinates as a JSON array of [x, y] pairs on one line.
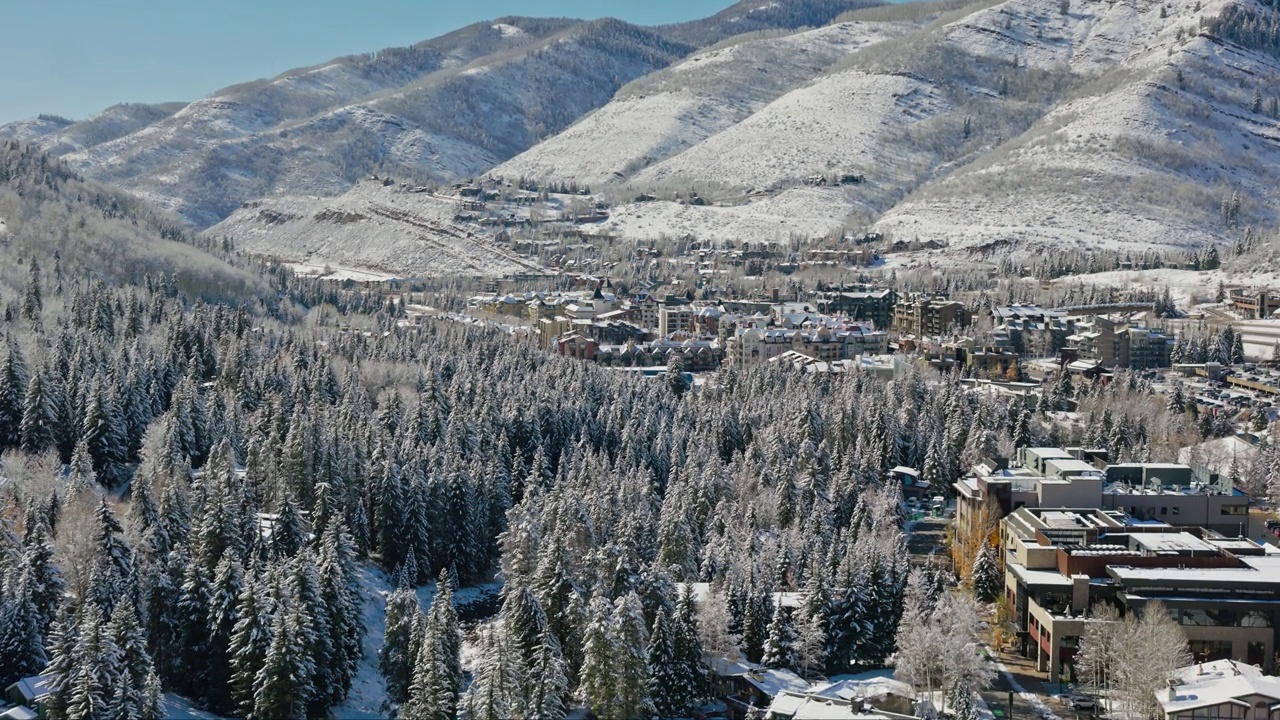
[[928, 315], [1255, 304], [1080, 478], [673, 318], [1062, 564], [859, 303], [753, 346], [1221, 690], [1115, 342]]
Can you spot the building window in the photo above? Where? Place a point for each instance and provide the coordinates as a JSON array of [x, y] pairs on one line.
[[1177, 510], [1210, 650], [1164, 511], [1235, 510], [1255, 619]]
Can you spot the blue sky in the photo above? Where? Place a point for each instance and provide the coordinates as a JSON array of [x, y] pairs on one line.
[[76, 57]]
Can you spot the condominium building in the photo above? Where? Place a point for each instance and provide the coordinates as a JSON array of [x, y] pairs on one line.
[[928, 315], [1062, 564]]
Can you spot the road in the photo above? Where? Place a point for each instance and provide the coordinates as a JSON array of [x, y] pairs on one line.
[[928, 537]]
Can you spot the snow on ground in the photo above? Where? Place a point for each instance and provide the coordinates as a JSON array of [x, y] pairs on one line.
[[373, 229], [1143, 163], [368, 691], [842, 122], [1186, 287], [665, 113], [806, 212], [331, 272], [1090, 37], [176, 707]]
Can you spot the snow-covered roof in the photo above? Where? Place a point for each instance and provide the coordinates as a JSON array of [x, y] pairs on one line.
[[1040, 577], [32, 688], [874, 683], [1219, 683], [19, 712], [771, 681]]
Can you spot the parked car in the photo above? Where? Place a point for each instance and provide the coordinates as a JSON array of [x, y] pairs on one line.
[[1082, 702], [1273, 524]]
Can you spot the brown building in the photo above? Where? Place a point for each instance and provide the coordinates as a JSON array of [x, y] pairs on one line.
[[925, 315], [1255, 304]]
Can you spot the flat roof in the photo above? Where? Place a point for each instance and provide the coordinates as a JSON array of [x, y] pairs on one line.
[[1224, 576], [1172, 543], [1070, 463], [1040, 577]]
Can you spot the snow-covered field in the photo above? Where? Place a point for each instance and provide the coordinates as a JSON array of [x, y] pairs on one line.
[[804, 212], [373, 230]]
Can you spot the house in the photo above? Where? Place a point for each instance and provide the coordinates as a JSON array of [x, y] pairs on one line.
[[28, 695], [865, 696], [1221, 689], [912, 485], [1254, 304], [748, 688]]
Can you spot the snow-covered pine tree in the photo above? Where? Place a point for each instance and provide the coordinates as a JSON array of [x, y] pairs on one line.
[[336, 565], [666, 686], [780, 647], [282, 687], [128, 699], [496, 691], [985, 575], [688, 646], [597, 682], [396, 658], [437, 674], [250, 641]]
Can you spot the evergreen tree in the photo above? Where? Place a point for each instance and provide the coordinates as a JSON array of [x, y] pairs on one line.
[[396, 658], [495, 691], [437, 675], [667, 688], [336, 566], [38, 416], [779, 649], [549, 682], [282, 688], [630, 660], [985, 575], [250, 641]]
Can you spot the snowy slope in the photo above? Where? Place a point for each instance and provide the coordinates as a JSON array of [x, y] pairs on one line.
[[1145, 162], [843, 122], [370, 227], [799, 212], [671, 110]]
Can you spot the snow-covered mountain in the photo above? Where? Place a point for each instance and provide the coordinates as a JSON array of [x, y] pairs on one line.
[[446, 108], [1022, 124], [994, 125]]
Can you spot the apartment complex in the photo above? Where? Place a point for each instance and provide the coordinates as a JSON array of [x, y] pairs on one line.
[[1062, 564], [860, 303], [1118, 343], [928, 315], [752, 346]]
